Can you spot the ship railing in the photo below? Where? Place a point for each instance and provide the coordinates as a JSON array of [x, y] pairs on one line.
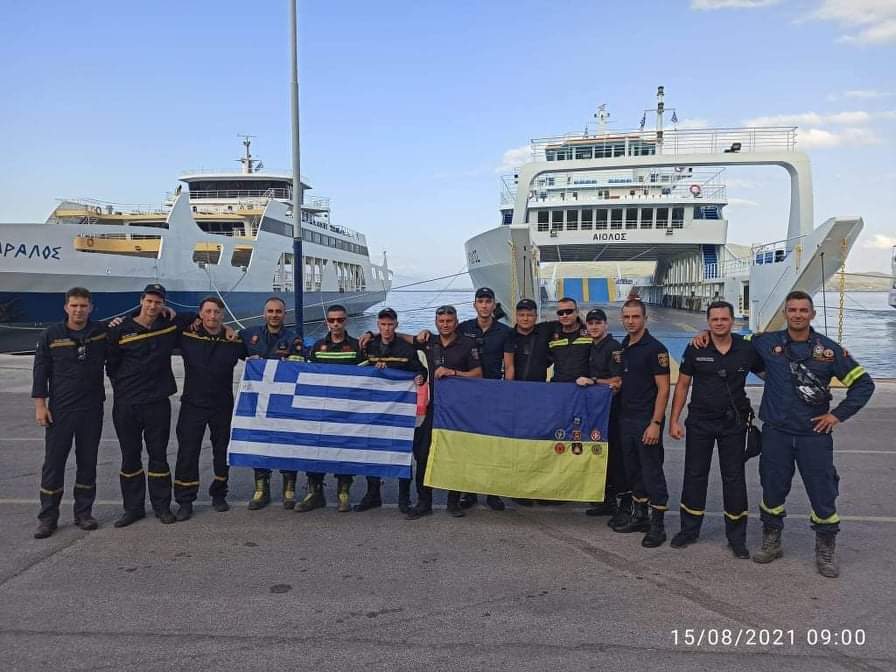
[[642, 143], [229, 172], [713, 193], [282, 194], [94, 206]]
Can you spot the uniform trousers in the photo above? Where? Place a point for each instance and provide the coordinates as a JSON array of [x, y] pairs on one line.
[[643, 463], [191, 424], [134, 424]]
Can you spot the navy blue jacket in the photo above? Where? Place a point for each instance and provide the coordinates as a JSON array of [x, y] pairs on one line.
[[262, 343]]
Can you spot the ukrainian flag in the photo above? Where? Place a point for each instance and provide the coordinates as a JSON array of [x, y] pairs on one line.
[[519, 439]]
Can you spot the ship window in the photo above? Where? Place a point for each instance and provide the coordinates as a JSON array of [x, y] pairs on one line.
[[616, 218], [556, 220], [507, 216], [241, 257], [631, 218], [646, 218], [315, 237], [698, 212], [583, 152], [572, 220], [543, 216], [206, 253], [677, 218], [619, 149], [662, 218], [601, 219], [587, 219]]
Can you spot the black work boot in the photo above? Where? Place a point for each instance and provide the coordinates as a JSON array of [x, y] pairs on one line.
[[372, 499], [314, 498], [656, 535], [623, 512], [166, 517], [289, 491], [86, 522], [454, 505], [825, 545], [44, 529], [220, 504], [608, 507], [404, 495], [638, 522], [129, 518], [262, 496], [684, 538], [468, 500], [495, 503], [184, 512], [771, 546]]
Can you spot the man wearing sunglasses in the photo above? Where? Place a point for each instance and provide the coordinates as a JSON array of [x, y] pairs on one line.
[[797, 425], [448, 354], [68, 398], [569, 343], [387, 351], [272, 340], [139, 366], [337, 347], [718, 414]]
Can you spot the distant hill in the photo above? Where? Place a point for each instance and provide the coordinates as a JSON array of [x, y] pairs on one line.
[[870, 281]]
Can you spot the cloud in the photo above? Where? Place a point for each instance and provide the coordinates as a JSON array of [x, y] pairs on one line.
[[693, 123], [880, 242], [742, 203], [860, 94], [514, 157], [812, 119], [819, 138], [868, 21], [730, 4]]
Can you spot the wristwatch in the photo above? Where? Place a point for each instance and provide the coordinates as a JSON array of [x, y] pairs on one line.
[[657, 422]]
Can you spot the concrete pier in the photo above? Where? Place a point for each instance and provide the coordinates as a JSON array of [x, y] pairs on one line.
[[543, 588]]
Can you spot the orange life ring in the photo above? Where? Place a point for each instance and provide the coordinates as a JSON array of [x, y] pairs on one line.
[[90, 242]]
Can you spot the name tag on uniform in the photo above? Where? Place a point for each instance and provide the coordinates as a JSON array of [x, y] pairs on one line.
[[706, 359]]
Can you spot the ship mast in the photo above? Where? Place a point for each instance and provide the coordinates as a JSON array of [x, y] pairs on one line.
[[298, 263]]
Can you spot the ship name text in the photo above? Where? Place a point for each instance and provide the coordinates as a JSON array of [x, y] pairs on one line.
[[29, 251]]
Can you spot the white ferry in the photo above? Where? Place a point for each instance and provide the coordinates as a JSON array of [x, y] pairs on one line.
[[659, 196], [228, 233], [893, 286]]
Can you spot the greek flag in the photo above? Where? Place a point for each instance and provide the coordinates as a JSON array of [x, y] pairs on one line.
[[326, 418], [674, 117]]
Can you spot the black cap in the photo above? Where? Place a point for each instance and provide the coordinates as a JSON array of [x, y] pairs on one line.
[[387, 313], [596, 314], [484, 293], [526, 304], [155, 288]]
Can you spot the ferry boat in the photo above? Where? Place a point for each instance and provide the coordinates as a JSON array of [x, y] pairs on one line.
[[221, 233], [892, 297], [656, 195]]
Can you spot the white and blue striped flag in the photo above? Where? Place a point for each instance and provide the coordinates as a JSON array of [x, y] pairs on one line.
[[326, 418]]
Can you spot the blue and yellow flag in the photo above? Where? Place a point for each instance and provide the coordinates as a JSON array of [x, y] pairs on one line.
[[519, 439]]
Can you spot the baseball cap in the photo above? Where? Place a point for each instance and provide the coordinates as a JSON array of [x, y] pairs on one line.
[[387, 313], [526, 304], [596, 314], [484, 293], [155, 288]]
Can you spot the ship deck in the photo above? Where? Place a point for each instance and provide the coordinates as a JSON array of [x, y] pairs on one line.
[[528, 589]]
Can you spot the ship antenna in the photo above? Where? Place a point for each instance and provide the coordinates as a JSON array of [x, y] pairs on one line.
[[247, 161], [602, 117], [660, 107]]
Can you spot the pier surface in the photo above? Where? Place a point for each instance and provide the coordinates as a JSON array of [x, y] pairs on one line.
[[542, 588]]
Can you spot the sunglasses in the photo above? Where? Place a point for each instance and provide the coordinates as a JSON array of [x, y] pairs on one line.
[[565, 311], [446, 310], [335, 320]]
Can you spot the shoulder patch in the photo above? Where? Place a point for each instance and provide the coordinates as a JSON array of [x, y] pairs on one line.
[[617, 357], [663, 359]]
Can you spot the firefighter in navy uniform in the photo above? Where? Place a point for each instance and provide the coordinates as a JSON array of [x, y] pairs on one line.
[[337, 347], [605, 368], [526, 350], [569, 343], [68, 400], [448, 353], [387, 351], [642, 408], [718, 414], [207, 401], [139, 366], [491, 337], [272, 340], [797, 425]]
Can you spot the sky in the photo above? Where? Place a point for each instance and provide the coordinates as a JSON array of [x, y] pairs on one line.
[[410, 111]]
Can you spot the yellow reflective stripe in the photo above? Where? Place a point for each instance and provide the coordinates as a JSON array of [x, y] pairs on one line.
[[158, 474], [748, 337], [774, 510], [659, 507], [640, 500], [101, 337], [185, 484], [131, 475], [583, 341], [736, 516], [387, 359], [62, 343], [198, 337], [44, 491], [220, 478], [336, 355], [853, 376], [148, 334], [557, 344], [693, 512], [84, 487], [830, 520]]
